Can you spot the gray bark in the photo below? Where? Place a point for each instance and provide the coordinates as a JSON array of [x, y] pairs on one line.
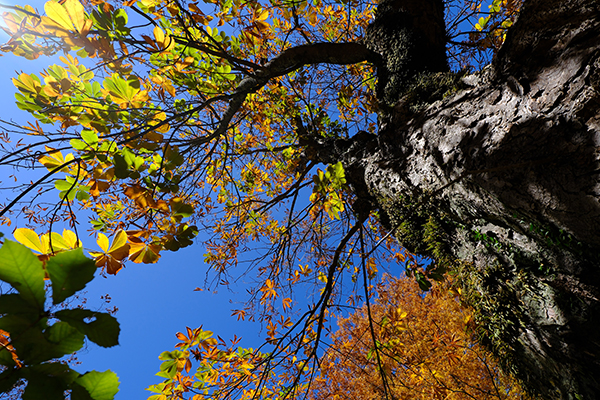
[[501, 180]]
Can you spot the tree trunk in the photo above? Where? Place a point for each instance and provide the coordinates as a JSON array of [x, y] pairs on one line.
[[501, 181]]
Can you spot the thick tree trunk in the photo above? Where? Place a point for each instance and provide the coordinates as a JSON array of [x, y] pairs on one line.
[[501, 180]]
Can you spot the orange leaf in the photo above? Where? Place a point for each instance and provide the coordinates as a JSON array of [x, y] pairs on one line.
[[142, 252], [113, 266], [287, 303]]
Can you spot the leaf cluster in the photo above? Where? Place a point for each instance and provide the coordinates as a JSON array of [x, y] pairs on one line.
[[34, 338]]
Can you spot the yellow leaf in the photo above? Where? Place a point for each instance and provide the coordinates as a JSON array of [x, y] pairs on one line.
[[113, 266], [54, 159], [150, 3], [312, 16], [102, 242], [56, 12], [155, 136], [164, 41], [66, 17], [262, 26], [76, 13], [26, 83], [264, 14], [401, 314], [48, 90], [119, 248], [45, 240], [287, 303], [120, 241], [57, 242], [111, 258], [86, 27], [322, 277], [158, 119], [29, 238], [159, 35], [71, 239]]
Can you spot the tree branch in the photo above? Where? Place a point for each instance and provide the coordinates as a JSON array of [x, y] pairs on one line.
[[290, 60]]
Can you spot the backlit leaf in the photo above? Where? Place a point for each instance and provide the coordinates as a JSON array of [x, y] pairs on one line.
[[103, 242], [100, 385], [22, 269], [30, 239], [141, 252], [57, 13], [69, 272]]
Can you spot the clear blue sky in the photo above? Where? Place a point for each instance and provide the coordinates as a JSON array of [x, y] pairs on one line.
[[154, 301]]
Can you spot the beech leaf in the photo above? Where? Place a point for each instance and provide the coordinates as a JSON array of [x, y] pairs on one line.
[[21, 268], [69, 272]]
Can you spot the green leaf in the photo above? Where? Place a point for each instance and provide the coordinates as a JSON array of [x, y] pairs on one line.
[[66, 338], [15, 304], [173, 157], [167, 355], [82, 193], [57, 369], [103, 330], [41, 386], [17, 324], [32, 346], [99, 385], [63, 185], [89, 137], [68, 194], [108, 147], [122, 90], [128, 156], [78, 144], [178, 207], [423, 282], [69, 272], [21, 268], [78, 392], [8, 378], [6, 360], [168, 369], [121, 167]]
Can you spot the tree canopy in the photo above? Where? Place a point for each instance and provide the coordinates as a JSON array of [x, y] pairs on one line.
[[165, 118]]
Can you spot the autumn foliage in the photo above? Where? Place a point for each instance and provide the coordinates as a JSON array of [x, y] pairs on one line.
[[154, 155], [422, 349]]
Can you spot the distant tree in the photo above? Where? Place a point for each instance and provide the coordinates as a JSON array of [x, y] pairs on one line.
[[420, 341]]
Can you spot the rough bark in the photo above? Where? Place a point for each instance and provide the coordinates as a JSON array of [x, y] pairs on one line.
[[501, 180], [410, 37]]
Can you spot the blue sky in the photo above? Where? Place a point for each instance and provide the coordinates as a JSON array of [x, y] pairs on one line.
[[155, 301]]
